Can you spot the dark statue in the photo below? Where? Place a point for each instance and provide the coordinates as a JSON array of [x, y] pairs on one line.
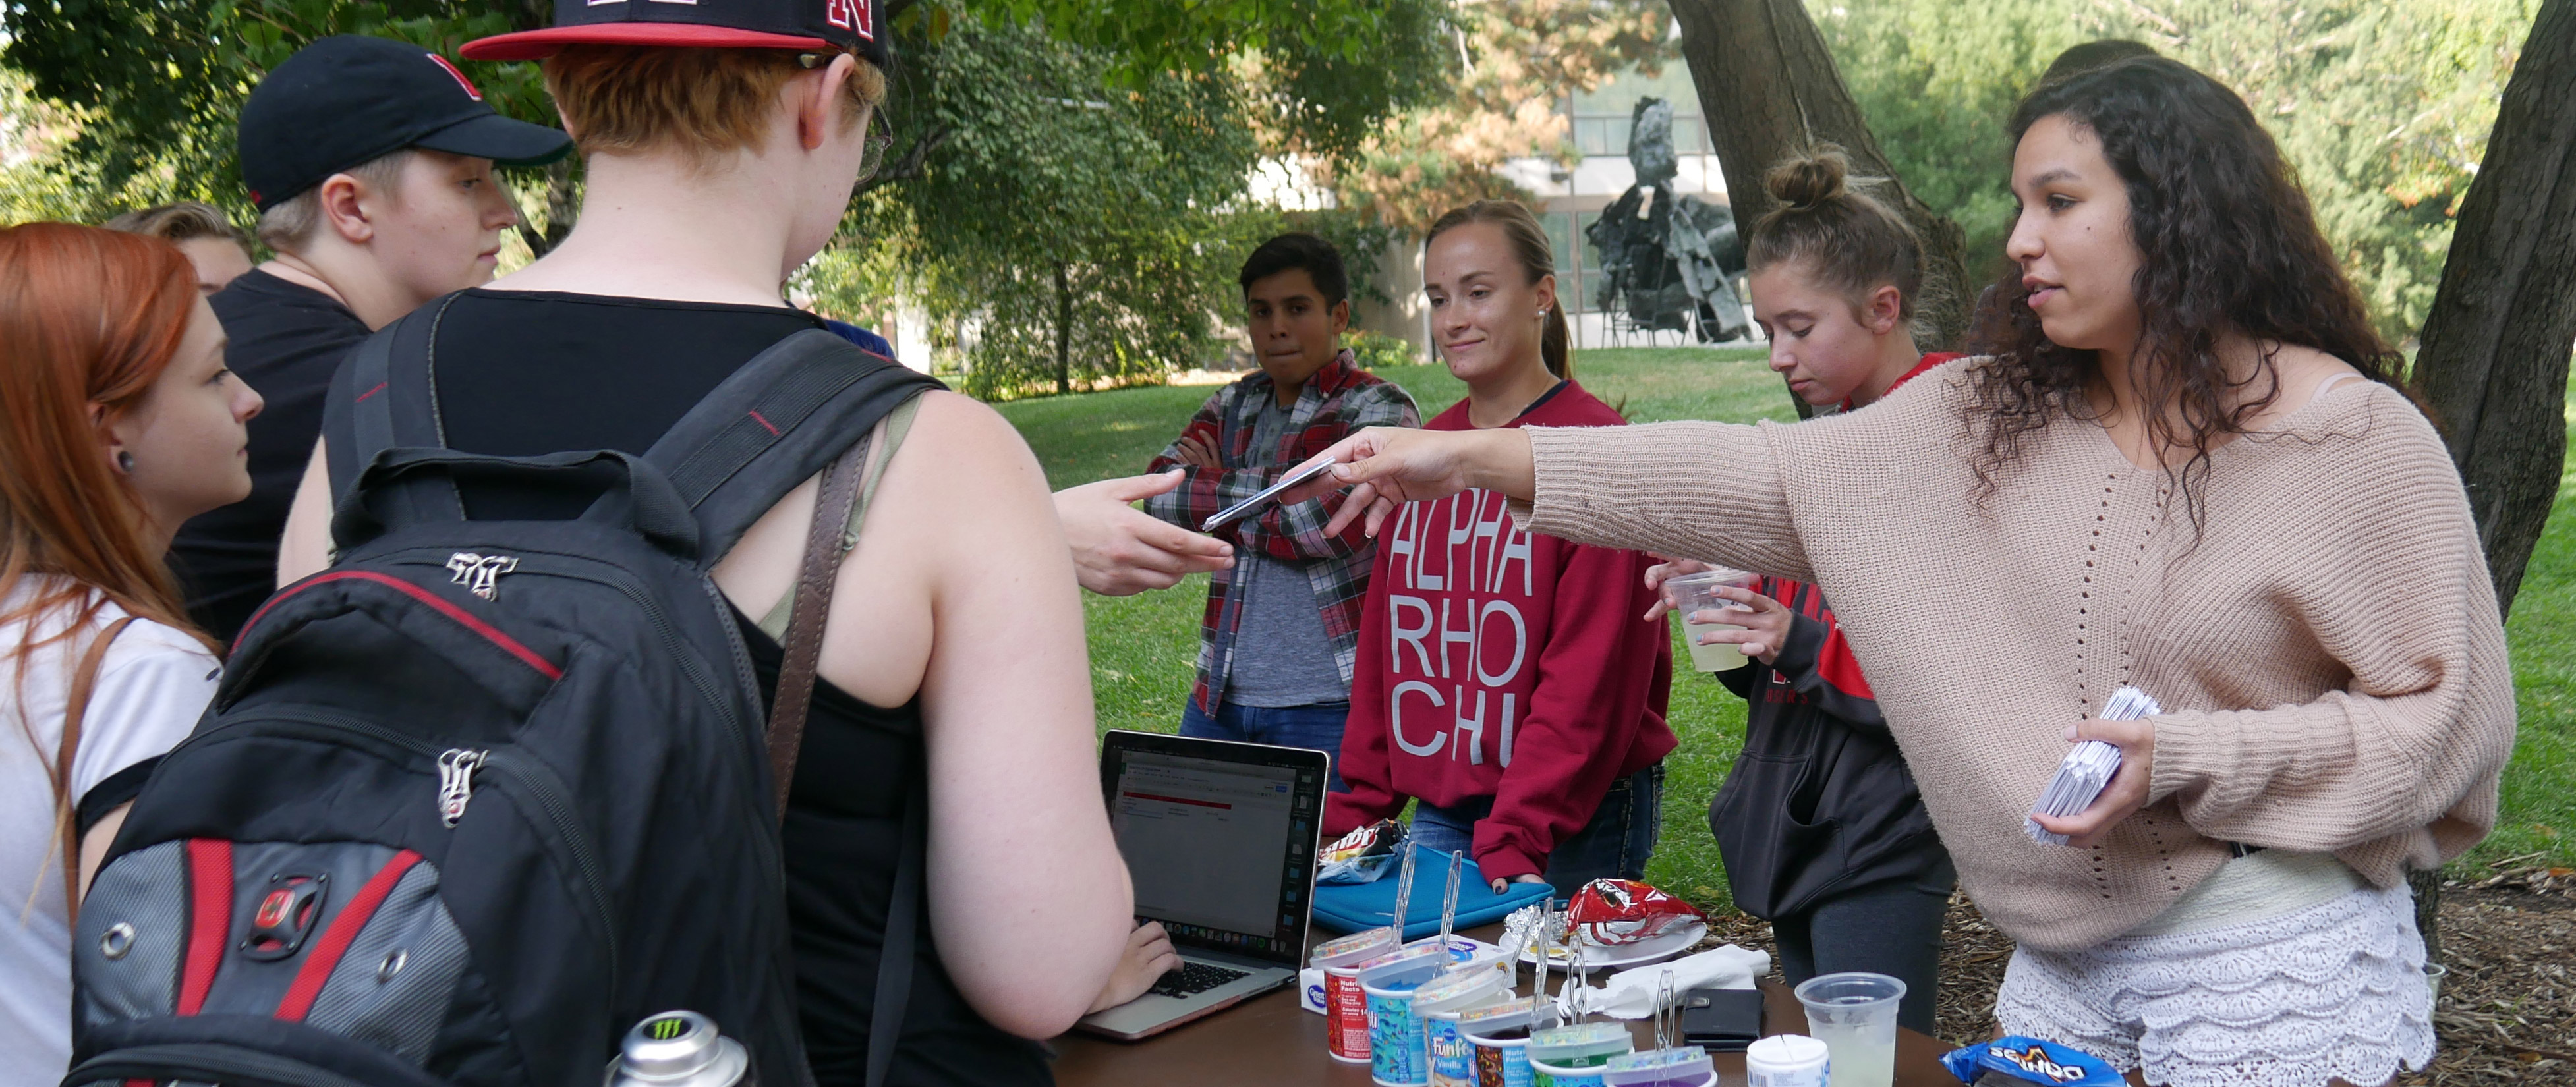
[[1668, 262]]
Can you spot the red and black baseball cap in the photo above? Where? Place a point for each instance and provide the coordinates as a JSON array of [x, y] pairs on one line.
[[852, 26], [347, 100]]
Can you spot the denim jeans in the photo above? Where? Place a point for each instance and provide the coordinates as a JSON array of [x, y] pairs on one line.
[[1317, 727], [1617, 842]]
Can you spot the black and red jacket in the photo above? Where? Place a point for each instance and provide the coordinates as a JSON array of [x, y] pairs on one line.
[[1820, 802]]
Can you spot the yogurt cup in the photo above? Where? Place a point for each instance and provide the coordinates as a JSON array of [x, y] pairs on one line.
[[1543, 1074], [1682, 1066], [1451, 1058], [1346, 1029], [1396, 1057], [1500, 1035], [1786, 1060], [1580, 1045]]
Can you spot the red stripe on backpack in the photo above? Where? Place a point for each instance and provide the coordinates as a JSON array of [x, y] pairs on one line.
[[210, 910], [343, 932]]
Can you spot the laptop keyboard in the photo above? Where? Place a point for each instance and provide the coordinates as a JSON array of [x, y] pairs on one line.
[[1194, 978]]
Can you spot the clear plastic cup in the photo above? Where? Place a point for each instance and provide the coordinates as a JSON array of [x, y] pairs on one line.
[[1855, 1016], [1691, 594]]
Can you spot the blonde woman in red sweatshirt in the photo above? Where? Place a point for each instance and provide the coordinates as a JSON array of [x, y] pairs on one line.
[[1505, 679]]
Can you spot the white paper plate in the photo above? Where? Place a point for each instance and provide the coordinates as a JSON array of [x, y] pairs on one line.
[[1627, 955]]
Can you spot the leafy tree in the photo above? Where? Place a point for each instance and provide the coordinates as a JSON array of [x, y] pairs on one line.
[[1937, 84], [1517, 61], [32, 132], [2384, 108], [156, 83], [1059, 231]]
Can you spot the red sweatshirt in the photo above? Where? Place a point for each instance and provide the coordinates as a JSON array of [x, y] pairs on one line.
[[1494, 662]]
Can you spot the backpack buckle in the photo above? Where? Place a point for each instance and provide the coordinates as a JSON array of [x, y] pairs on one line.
[[285, 916]]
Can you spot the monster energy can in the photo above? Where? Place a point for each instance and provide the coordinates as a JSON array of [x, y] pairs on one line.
[[678, 1049]]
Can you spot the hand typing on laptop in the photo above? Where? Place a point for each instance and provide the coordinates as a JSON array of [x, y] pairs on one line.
[[1149, 956], [1220, 841]]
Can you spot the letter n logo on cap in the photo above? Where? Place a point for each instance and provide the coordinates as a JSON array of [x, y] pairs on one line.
[[850, 15], [461, 81]]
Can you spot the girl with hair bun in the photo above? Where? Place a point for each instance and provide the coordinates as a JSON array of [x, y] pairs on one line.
[[1822, 828], [1505, 679]]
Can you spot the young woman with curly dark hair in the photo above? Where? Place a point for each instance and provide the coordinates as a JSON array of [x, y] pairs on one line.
[[2180, 466]]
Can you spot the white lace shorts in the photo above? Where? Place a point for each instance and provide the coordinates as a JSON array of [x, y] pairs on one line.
[[2332, 991]]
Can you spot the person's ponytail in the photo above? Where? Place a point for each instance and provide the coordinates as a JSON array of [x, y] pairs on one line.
[[1538, 261], [1556, 342]]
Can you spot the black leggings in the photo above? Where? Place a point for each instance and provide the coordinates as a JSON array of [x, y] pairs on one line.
[[1891, 928]]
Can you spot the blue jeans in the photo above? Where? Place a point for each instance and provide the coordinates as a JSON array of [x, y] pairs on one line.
[[1317, 726], [1617, 842]]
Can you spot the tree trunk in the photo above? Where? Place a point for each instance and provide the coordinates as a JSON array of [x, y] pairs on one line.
[[2493, 357], [1063, 330], [2493, 362], [1768, 88]]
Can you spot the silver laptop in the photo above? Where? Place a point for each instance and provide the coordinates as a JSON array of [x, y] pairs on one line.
[[1220, 839]]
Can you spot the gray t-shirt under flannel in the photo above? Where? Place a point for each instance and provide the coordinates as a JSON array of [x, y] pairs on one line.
[[1282, 657]]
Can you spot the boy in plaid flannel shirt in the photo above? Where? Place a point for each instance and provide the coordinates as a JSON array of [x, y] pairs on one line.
[[1282, 626]]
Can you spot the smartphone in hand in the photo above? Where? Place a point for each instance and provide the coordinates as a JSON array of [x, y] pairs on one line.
[[1303, 475]]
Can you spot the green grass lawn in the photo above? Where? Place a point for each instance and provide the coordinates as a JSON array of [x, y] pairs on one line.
[[1143, 647], [2539, 803]]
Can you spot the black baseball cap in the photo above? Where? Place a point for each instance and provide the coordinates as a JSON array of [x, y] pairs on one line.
[[850, 26], [348, 100]]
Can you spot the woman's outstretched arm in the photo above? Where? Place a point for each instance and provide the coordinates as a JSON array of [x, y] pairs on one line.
[[1717, 491]]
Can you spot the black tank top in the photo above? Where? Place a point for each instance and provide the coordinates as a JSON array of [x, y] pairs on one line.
[[521, 373]]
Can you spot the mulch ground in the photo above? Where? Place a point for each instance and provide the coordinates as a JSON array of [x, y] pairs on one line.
[[2507, 1012]]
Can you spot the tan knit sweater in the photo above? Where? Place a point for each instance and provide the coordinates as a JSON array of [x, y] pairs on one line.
[[2329, 655]]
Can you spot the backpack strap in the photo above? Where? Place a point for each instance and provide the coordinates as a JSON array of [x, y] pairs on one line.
[[880, 447], [385, 398], [76, 707], [838, 507], [773, 425], [803, 645], [903, 923], [776, 422]]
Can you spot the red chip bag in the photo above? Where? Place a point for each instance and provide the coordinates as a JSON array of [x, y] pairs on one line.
[[1611, 912]]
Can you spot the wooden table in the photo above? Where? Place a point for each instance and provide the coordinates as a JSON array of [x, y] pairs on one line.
[[1270, 1040]]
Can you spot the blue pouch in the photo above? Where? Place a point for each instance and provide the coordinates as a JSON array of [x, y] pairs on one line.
[[1351, 907], [2018, 1060]]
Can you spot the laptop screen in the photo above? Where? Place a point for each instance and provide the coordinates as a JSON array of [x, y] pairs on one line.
[[1219, 838]]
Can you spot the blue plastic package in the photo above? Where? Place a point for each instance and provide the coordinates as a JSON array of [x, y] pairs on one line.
[[2015, 1060], [1351, 907]]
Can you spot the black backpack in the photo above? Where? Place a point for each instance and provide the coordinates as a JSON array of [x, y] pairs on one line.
[[484, 794]]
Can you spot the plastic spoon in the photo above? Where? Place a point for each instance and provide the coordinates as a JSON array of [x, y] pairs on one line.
[[1538, 988], [1404, 892], [1664, 1010], [1449, 901]]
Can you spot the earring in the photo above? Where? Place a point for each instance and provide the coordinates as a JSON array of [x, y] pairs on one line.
[[125, 461]]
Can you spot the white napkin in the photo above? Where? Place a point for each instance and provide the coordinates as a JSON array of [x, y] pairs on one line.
[[1631, 994]]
